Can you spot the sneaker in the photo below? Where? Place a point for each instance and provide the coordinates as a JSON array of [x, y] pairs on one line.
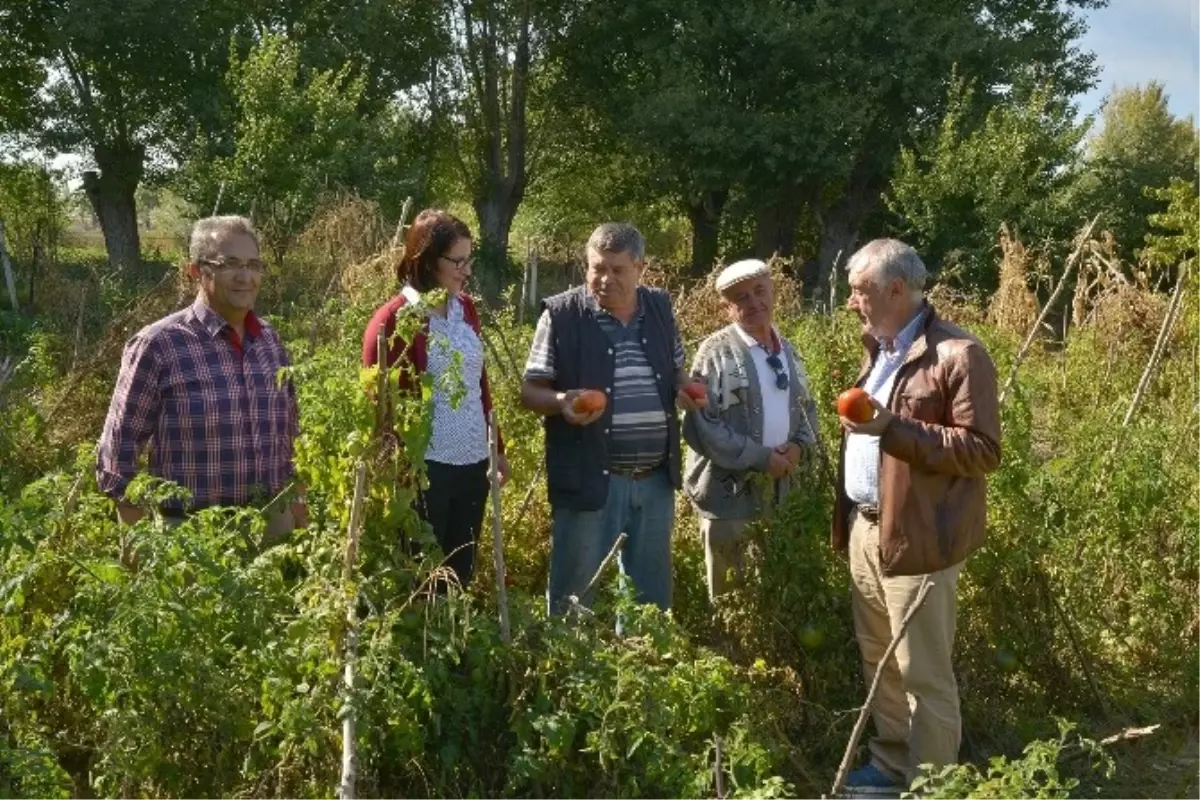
[[871, 781]]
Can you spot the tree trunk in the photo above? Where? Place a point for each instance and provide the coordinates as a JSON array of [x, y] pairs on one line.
[[498, 78], [495, 212], [704, 212], [111, 192], [840, 223], [775, 228]]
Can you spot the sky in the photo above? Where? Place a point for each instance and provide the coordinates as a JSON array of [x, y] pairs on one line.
[[1136, 41]]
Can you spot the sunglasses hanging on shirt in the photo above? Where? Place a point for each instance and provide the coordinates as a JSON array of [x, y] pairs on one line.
[[781, 377]]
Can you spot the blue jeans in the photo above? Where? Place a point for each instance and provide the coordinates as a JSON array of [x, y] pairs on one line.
[[645, 511]]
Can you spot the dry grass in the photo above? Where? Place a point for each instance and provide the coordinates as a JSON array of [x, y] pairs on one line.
[[1014, 307], [1115, 301]]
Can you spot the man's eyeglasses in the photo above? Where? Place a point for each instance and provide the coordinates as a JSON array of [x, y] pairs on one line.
[[233, 264], [461, 263], [781, 377]]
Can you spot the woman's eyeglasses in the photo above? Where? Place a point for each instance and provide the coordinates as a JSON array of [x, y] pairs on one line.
[[466, 262], [781, 377]]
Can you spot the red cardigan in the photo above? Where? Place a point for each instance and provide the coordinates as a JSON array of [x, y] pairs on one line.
[[417, 353]]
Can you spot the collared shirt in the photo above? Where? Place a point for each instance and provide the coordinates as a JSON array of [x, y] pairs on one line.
[[777, 413], [209, 404], [459, 434], [638, 437], [862, 451]]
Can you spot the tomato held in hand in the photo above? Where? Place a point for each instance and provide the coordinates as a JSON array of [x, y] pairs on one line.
[[697, 390], [855, 405], [589, 401]]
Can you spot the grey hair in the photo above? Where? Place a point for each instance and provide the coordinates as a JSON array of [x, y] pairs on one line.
[[887, 259], [208, 231], [618, 237]]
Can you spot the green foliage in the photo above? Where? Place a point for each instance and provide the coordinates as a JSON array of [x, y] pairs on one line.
[[1034, 774], [1176, 246], [299, 134], [1014, 168], [33, 210], [1139, 146]]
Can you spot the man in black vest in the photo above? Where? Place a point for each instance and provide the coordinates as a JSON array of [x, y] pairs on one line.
[[614, 470]]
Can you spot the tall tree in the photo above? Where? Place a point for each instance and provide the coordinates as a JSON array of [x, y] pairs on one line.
[[952, 192], [123, 77], [484, 99], [1138, 145], [894, 61]]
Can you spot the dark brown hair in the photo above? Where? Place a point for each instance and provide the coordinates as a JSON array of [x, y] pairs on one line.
[[431, 235]]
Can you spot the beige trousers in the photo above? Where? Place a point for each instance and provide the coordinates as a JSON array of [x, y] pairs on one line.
[[724, 553], [916, 709]]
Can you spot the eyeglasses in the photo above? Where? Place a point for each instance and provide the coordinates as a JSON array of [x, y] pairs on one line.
[[781, 377], [466, 262], [233, 264]]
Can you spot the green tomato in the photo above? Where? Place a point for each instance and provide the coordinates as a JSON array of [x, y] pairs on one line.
[[812, 637], [1006, 659]]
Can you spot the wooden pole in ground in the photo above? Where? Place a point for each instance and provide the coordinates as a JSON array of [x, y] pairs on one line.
[[350, 587], [9, 278], [840, 780], [533, 275], [398, 237], [1164, 333], [1058, 290], [497, 538], [524, 285]]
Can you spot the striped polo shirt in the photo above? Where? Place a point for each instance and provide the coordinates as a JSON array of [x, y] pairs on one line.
[[638, 437]]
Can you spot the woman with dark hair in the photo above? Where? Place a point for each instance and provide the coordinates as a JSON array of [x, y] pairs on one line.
[[437, 255]]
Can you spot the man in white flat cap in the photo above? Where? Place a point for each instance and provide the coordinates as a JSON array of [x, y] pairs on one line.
[[758, 426]]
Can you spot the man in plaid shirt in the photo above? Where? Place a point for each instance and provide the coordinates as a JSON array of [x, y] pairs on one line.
[[200, 387]]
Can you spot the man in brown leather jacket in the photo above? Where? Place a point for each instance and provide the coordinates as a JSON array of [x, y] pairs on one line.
[[911, 502]]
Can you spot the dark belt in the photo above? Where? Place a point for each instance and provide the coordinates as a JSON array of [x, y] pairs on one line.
[[641, 473], [869, 513]]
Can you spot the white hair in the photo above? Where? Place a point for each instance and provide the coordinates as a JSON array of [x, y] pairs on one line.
[[887, 259], [207, 232]]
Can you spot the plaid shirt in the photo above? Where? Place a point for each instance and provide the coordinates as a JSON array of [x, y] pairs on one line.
[[221, 425]]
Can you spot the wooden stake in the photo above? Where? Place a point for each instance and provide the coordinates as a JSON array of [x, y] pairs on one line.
[[718, 770], [533, 276], [1164, 333], [1062, 282], [350, 587], [9, 278], [398, 237], [852, 745], [497, 538]]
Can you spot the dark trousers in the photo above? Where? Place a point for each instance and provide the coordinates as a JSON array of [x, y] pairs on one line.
[[453, 505]]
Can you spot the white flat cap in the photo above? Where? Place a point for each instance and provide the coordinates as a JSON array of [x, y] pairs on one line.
[[741, 271]]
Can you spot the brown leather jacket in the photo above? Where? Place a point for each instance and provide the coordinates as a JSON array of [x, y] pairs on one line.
[[935, 453]]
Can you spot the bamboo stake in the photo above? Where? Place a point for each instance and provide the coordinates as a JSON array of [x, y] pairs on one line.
[[497, 538], [533, 276], [1058, 290], [524, 284], [9, 279], [617, 545], [381, 385], [220, 194], [1164, 333], [840, 780], [398, 237], [349, 743], [718, 771]]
